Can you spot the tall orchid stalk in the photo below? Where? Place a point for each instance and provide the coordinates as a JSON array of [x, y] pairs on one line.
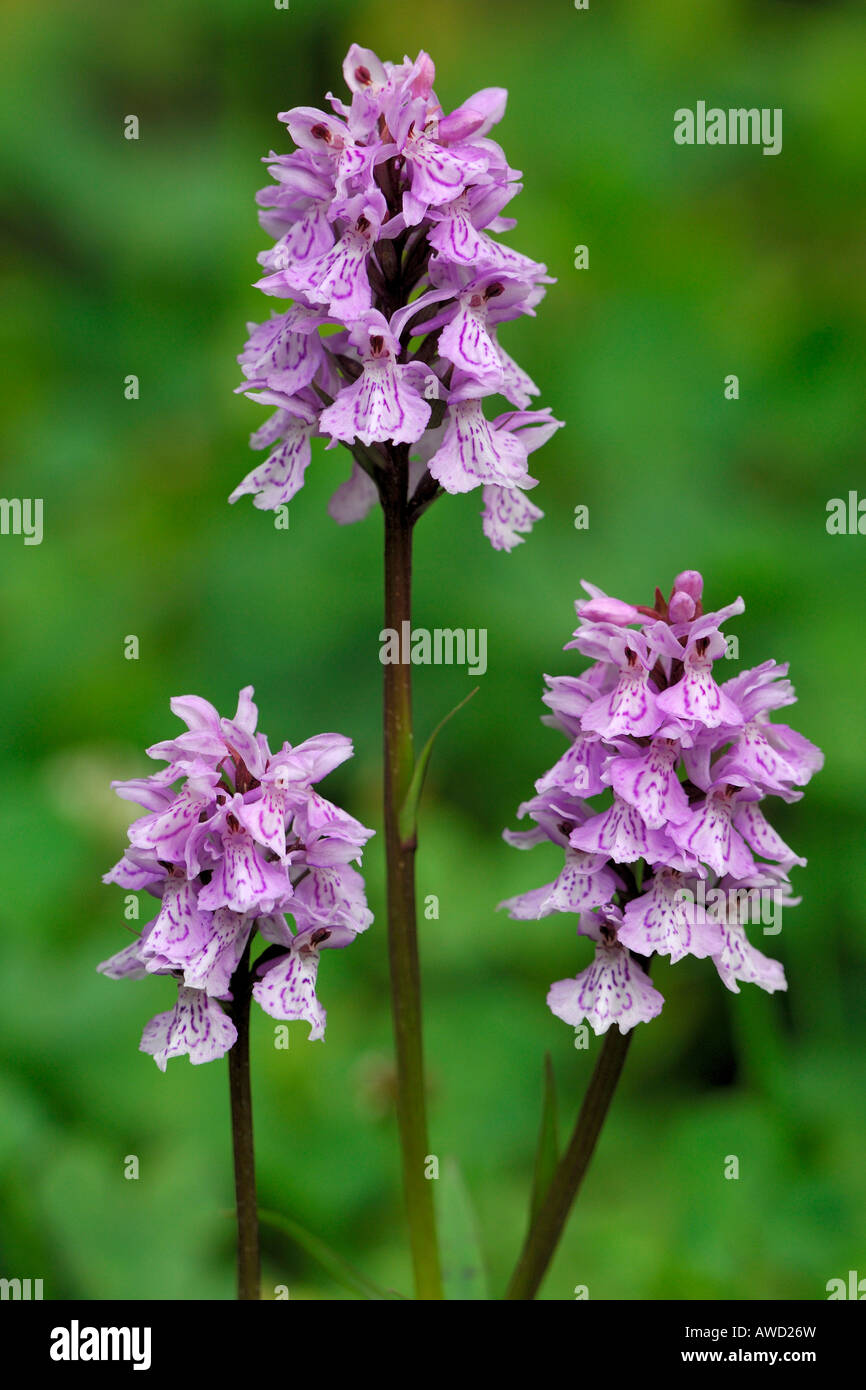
[[680, 859], [382, 220], [233, 838]]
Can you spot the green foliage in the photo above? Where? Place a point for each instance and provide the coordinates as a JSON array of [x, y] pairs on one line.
[[408, 819], [340, 1270], [463, 1267], [547, 1154]]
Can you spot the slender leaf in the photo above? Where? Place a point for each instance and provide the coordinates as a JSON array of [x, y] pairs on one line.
[[463, 1272], [339, 1269], [408, 817], [547, 1153]]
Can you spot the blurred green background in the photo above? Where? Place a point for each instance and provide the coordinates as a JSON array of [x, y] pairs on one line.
[[138, 257]]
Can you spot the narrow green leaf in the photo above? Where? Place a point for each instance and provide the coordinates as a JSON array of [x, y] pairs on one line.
[[339, 1269], [463, 1273], [547, 1153], [408, 818]]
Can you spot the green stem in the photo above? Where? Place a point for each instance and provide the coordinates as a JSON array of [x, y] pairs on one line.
[[400, 861], [242, 1135], [545, 1231]]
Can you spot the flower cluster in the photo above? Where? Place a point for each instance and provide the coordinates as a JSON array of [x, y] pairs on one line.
[[678, 860], [244, 839], [382, 220]]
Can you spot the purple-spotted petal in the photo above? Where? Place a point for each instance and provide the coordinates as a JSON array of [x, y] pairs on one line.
[[128, 964], [750, 821], [471, 455], [381, 405], [698, 697], [265, 818], [212, 966], [613, 990], [196, 1027], [331, 897], [618, 833], [579, 770], [275, 482], [182, 927], [507, 516], [650, 783], [662, 920], [583, 883], [166, 832], [709, 834], [243, 880], [288, 990], [739, 960], [631, 708]]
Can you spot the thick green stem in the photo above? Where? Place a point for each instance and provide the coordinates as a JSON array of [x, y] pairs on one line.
[[242, 1136], [545, 1231], [400, 857]]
